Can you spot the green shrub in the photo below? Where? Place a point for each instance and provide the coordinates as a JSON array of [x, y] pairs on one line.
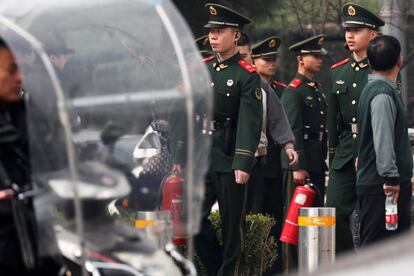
[[260, 249]]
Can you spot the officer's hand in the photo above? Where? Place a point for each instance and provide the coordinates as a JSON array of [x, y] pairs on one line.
[[293, 157], [392, 190], [300, 176], [176, 169], [241, 177]]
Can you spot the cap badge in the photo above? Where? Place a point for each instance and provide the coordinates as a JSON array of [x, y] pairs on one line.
[[229, 83], [320, 41], [272, 43], [351, 11], [212, 10]]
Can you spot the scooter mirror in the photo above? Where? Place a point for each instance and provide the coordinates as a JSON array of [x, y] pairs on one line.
[[111, 133]]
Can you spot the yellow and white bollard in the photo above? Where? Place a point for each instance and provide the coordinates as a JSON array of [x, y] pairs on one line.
[[316, 238]]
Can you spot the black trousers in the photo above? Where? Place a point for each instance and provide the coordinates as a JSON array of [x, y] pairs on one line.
[[372, 212], [226, 259]]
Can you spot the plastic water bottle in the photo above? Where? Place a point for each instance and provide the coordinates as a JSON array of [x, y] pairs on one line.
[[391, 214]]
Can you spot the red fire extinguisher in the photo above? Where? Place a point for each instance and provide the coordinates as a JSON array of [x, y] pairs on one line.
[[303, 197], [172, 190]]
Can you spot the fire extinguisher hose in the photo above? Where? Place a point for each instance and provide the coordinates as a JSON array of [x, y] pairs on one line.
[[317, 190]]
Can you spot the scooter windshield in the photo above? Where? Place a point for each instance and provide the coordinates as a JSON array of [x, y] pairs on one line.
[[116, 97]]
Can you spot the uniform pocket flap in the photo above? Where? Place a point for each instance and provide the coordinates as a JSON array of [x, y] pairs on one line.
[[339, 88]]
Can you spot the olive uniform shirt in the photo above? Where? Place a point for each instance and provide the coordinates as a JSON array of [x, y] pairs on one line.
[[348, 78], [305, 107], [238, 98]]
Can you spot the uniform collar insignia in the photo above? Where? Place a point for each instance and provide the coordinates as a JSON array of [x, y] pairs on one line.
[[312, 84], [363, 65], [219, 65], [222, 66], [353, 64], [340, 82]]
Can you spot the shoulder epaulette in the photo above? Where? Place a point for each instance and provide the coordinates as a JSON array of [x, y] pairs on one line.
[[279, 83], [207, 59], [247, 66], [295, 83], [340, 63]]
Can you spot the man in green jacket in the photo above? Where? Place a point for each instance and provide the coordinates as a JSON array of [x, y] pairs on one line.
[[385, 161], [236, 127], [348, 78], [305, 107]]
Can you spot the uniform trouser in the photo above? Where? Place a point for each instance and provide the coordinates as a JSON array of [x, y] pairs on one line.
[[255, 190], [265, 196], [371, 207], [227, 259], [290, 252], [341, 194]]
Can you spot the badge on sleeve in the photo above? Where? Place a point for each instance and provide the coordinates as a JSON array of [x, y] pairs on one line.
[[258, 92]]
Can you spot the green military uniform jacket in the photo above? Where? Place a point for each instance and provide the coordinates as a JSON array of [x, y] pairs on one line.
[[306, 107], [347, 80], [238, 97]]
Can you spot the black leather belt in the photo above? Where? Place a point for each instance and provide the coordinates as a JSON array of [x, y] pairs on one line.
[[318, 135], [217, 125], [351, 127]]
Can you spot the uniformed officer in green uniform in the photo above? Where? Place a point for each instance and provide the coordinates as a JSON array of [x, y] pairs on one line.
[[204, 46], [348, 78], [265, 55], [305, 106], [267, 176], [236, 126]]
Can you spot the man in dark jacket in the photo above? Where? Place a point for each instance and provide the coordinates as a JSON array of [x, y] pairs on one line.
[[18, 252], [13, 148], [385, 162]]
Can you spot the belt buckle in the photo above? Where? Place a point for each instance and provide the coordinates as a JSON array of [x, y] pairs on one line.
[[354, 128], [262, 151], [213, 125], [320, 136]]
